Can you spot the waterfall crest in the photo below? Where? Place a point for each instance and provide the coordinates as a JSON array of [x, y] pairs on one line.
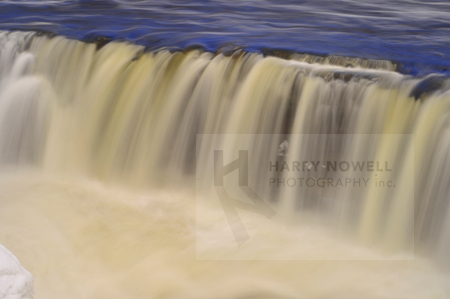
[[121, 113]]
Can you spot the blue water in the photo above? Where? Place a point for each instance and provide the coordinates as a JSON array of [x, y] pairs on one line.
[[414, 33]]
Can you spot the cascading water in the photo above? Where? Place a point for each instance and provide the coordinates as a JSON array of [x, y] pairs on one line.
[[119, 114]]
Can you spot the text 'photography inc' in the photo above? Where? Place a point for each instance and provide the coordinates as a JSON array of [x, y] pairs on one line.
[[319, 176]]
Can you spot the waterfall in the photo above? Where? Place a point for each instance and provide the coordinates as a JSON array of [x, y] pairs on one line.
[[119, 112]]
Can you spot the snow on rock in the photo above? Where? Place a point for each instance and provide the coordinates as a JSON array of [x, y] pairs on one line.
[[283, 148], [15, 281]]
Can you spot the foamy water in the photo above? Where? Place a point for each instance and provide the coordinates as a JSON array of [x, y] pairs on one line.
[[116, 139], [85, 239]]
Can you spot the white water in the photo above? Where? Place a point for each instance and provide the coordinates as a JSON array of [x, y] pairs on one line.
[[97, 149]]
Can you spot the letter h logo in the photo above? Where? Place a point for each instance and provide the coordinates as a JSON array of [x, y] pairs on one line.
[[230, 204]]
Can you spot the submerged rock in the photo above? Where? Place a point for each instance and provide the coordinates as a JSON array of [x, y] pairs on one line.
[[429, 85]]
